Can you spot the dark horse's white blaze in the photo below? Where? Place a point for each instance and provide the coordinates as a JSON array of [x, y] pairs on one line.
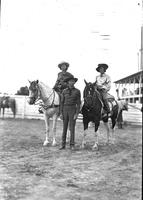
[[50, 106], [92, 112]]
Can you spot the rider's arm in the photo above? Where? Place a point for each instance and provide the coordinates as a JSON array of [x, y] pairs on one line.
[[107, 84]]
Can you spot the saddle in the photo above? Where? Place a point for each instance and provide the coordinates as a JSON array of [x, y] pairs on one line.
[[111, 102]]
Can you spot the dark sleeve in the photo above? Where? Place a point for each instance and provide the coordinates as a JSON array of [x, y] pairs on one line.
[[78, 101], [59, 76], [58, 80], [70, 75]]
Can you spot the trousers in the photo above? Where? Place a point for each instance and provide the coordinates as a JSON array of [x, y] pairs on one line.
[[105, 101], [68, 120]]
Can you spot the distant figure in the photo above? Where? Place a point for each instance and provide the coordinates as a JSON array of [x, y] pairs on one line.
[[103, 82], [123, 105], [120, 120]]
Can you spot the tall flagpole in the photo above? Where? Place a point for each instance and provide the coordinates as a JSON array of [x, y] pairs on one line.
[[141, 50], [141, 64]]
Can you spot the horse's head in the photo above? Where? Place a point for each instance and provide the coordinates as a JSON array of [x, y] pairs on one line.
[[88, 94], [33, 92]]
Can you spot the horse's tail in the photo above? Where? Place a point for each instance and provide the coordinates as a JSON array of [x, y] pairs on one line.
[[13, 106]]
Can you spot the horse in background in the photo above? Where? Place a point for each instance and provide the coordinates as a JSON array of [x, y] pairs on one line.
[[50, 102], [92, 111], [7, 102]]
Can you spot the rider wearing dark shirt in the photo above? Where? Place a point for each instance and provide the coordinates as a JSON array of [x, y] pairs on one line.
[[60, 84]]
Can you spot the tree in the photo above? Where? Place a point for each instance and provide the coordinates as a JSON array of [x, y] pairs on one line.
[[23, 91]]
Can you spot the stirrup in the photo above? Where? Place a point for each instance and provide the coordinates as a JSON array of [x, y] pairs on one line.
[[104, 115]]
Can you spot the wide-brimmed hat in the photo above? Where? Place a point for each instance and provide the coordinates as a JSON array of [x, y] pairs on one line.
[[63, 63], [71, 78], [105, 66]]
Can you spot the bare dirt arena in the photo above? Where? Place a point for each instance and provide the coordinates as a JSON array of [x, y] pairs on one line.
[[29, 171]]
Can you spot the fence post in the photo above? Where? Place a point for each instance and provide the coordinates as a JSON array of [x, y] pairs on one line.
[[24, 108]]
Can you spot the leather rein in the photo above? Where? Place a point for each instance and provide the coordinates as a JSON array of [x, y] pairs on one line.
[[45, 107]]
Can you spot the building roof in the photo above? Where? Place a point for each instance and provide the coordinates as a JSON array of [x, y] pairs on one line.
[[131, 78]]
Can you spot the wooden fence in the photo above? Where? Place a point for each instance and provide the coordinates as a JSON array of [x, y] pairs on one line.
[[26, 111], [23, 109]]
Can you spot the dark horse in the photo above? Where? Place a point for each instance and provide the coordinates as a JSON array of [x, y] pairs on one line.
[[7, 102], [92, 111]]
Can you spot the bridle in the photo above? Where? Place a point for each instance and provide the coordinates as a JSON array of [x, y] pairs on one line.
[[88, 97], [36, 97]]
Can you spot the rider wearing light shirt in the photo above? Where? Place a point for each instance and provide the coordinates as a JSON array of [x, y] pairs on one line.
[[103, 83]]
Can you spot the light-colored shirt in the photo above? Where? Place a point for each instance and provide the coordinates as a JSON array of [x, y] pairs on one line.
[[103, 82]]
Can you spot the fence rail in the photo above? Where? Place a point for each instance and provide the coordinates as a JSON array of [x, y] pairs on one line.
[[26, 111]]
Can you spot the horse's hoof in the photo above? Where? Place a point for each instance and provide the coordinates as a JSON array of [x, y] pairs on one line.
[[54, 144], [95, 147], [112, 142], [46, 143], [83, 145]]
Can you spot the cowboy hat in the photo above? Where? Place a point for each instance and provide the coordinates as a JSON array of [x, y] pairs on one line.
[[63, 63], [71, 78], [105, 66]]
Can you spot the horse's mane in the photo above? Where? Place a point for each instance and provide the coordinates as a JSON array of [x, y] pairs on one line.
[[46, 90], [95, 96]]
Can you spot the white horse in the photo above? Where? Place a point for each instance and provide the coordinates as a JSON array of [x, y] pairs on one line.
[[50, 105]]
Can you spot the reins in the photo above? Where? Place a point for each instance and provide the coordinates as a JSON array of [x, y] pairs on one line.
[[45, 99]]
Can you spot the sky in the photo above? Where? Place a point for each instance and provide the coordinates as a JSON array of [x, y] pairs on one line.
[[36, 35]]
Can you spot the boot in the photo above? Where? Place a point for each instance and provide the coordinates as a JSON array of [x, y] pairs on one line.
[[107, 108]]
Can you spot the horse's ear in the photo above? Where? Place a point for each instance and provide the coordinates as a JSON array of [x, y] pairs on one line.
[[37, 81], [85, 81], [29, 81]]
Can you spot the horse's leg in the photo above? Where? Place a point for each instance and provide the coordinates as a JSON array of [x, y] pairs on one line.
[[113, 130], [85, 124], [96, 144], [47, 123], [13, 110], [83, 139], [107, 131], [3, 113], [54, 129]]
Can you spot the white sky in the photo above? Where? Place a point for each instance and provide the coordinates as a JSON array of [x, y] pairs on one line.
[[36, 35]]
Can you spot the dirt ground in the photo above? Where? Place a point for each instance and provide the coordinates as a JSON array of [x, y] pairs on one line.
[[30, 171]]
